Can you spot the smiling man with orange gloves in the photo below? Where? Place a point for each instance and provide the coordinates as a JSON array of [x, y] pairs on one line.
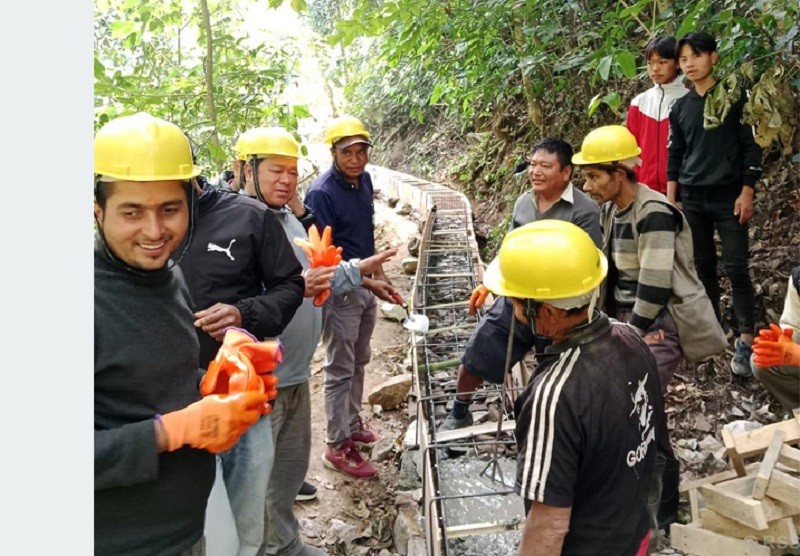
[[154, 435]]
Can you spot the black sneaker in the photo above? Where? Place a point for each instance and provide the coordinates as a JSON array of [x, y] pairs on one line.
[[740, 364], [307, 492], [452, 423]]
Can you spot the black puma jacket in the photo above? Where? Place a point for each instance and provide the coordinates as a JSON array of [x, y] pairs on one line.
[[238, 254]]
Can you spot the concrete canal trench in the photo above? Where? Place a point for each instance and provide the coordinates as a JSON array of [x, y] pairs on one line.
[[468, 505]]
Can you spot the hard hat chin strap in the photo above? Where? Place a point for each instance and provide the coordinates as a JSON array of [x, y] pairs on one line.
[[593, 302], [254, 166], [530, 309]]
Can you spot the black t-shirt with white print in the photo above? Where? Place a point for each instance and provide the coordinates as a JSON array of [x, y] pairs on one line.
[[586, 433]]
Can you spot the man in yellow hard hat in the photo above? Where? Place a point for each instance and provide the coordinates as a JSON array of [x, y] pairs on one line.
[[655, 288], [342, 198], [586, 423], [242, 272], [271, 155], [154, 436], [551, 195]]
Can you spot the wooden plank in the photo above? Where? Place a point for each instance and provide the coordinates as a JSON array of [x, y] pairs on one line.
[[781, 531], [687, 486], [768, 464], [458, 531], [474, 430], [790, 457], [738, 507], [755, 442], [733, 455], [786, 488], [699, 542], [740, 489], [694, 504]]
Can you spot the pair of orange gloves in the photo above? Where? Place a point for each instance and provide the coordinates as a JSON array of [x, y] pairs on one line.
[[237, 389], [773, 347], [320, 252]]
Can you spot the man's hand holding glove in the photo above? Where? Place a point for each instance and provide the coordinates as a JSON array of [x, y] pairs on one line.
[[773, 347], [214, 423], [477, 299], [244, 364], [320, 252]]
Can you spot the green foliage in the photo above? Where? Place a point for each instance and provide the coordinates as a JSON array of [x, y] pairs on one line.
[[495, 238], [151, 56], [566, 60]]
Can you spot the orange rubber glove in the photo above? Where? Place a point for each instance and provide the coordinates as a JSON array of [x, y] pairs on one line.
[[320, 252], [244, 364], [214, 423], [774, 346], [477, 299]]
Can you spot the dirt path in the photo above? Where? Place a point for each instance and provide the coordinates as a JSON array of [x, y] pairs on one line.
[[355, 501]]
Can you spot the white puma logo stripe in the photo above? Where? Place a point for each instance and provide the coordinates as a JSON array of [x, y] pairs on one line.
[[215, 247]]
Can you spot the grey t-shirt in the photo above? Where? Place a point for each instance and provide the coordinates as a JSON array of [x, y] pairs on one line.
[[573, 206], [302, 334]]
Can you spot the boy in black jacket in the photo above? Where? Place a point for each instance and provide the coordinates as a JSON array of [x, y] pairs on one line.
[[715, 171]]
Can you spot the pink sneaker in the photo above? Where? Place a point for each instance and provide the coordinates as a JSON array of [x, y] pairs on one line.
[[348, 460], [363, 436]]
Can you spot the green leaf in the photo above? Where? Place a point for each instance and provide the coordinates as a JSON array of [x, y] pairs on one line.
[[633, 11], [217, 152], [99, 69], [612, 99], [299, 6], [604, 67], [438, 91], [121, 29], [301, 111], [594, 104], [627, 63]]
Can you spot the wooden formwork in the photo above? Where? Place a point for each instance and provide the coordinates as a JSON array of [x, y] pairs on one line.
[[752, 509]]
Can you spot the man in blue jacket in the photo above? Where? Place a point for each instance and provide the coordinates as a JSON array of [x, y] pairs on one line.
[[342, 199]]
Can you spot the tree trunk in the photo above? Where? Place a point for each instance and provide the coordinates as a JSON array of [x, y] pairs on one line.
[[208, 68], [534, 108]]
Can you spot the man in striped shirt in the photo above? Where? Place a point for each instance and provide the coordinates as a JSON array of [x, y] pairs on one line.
[[639, 232], [587, 424], [640, 236]]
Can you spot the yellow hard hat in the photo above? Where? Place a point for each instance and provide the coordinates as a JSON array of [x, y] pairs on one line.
[[611, 143], [546, 260], [264, 141], [142, 147], [345, 126]]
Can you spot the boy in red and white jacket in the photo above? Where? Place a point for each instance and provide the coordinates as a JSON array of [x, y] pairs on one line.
[[648, 114]]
